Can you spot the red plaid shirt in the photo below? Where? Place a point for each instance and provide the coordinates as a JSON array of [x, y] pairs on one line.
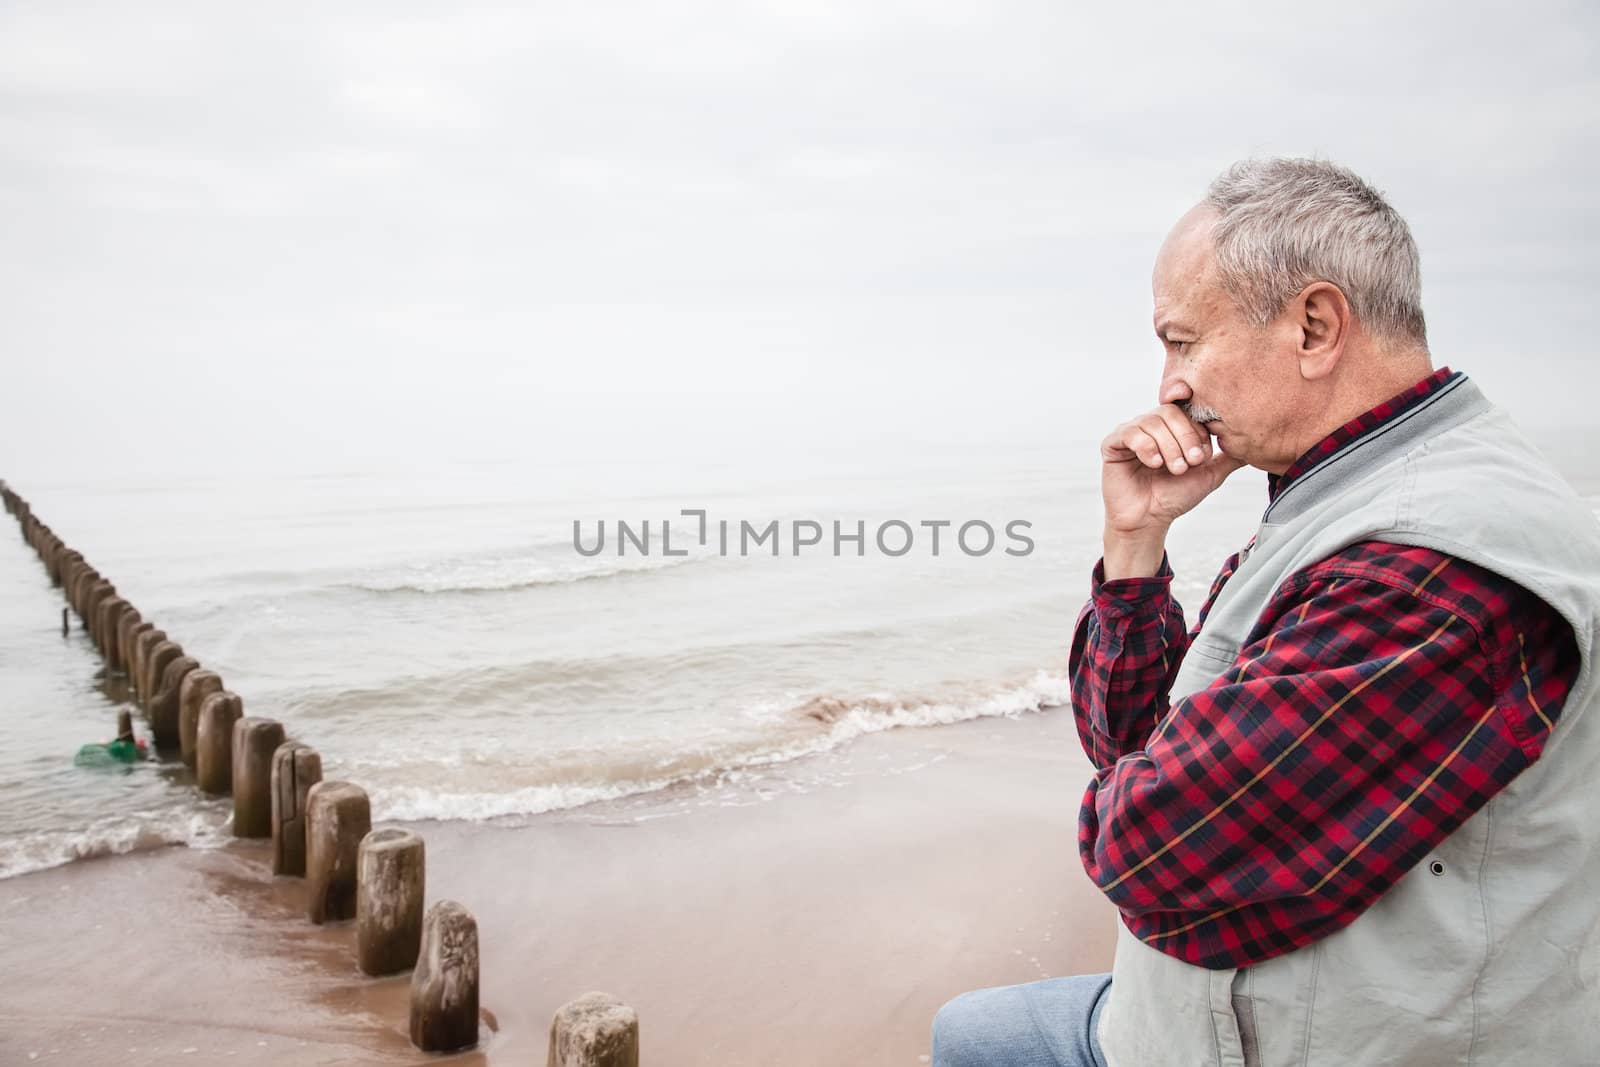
[[1253, 821]]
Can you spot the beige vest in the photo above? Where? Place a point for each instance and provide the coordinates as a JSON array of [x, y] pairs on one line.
[[1488, 951]]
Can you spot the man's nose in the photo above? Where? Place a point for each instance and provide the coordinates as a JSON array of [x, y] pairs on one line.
[[1174, 390]]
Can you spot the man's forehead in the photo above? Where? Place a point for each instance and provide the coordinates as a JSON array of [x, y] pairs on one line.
[[1181, 275], [1180, 290]]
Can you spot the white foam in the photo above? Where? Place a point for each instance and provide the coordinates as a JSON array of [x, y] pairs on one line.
[[874, 715], [787, 737], [119, 835]]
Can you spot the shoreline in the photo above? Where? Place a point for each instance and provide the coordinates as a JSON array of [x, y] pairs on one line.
[[776, 921]]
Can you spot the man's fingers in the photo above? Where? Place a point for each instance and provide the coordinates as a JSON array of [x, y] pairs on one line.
[[1172, 453], [1145, 446], [1192, 439], [1129, 441], [1165, 437]]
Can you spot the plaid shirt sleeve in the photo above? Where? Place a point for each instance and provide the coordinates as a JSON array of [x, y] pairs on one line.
[[1385, 695], [1129, 644]]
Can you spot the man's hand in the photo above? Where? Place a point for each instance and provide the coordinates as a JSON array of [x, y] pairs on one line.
[[1154, 468]]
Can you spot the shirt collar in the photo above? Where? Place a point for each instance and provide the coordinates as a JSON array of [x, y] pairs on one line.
[[1367, 422]]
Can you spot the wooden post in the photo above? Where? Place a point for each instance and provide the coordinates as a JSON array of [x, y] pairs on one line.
[[164, 705], [391, 873], [99, 624], [295, 769], [338, 816], [197, 685], [79, 594], [254, 741], [112, 612], [93, 596], [71, 563], [213, 752], [444, 987], [154, 664], [146, 641], [134, 625], [596, 1030]]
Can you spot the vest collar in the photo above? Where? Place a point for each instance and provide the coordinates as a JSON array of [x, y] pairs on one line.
[[1453, 403]]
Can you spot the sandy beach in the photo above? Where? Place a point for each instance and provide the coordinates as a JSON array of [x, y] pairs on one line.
[[778, 920]]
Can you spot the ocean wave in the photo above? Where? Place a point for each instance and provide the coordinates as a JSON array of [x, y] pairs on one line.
[[496, 787], [42, 849], [419, 803], [532, 562], [505, 575], [785, 732], [848, 717], [574, 682]]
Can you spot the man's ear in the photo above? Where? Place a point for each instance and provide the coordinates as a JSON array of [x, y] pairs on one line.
[[1324, 323]]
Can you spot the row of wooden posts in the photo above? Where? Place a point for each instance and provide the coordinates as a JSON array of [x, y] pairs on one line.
[[320, 830]]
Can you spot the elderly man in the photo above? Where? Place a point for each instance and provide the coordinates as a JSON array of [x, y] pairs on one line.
[[1351, 818]]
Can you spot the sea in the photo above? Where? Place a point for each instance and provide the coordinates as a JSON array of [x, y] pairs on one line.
[[481, 640]]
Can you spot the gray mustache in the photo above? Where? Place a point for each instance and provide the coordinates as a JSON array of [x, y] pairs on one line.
[[1199, 412]]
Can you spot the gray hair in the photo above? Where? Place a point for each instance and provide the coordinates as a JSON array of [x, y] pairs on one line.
[[1285, 223]]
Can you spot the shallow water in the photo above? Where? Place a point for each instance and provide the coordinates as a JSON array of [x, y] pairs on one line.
[[435, 634]]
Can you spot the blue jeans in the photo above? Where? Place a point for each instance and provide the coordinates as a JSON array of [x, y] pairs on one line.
[[1036, 1024]]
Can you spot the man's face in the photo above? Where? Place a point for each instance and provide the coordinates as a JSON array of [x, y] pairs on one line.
[[1236, 379]]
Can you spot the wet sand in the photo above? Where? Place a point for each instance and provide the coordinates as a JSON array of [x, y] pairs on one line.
[[814, 914]]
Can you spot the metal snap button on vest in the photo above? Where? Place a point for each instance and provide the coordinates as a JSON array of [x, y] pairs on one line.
[[1436, 867]]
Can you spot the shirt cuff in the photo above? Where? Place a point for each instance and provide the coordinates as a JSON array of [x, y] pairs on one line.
[[1126, 597]]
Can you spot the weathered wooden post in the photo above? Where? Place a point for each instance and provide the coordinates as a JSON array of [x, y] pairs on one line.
[[338, 816], [391, 873], [155, 663], [98, 594], [132, 626], [197, 685], [164, 705], [71, 560], [87, 577], [444, 987], [295, 769], [254, 741], [596, 1030], [213, 752], [93, 597], [97, 624], [99, 621], [88, 581], [146, 641], [109, 624]]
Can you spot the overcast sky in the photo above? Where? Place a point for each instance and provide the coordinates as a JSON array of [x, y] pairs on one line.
[[284, 233]]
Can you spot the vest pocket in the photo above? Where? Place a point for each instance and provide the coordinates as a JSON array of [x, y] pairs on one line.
[[1244, 1013], [1274, 1005]]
